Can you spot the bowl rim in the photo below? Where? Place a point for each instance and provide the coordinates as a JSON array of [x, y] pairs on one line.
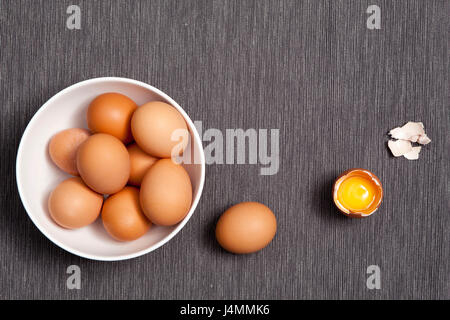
[[155, 246]]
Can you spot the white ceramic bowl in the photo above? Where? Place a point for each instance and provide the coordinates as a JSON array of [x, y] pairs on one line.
[[37, 176]]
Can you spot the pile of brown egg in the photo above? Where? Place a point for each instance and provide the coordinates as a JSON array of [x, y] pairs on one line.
[[123, 168]]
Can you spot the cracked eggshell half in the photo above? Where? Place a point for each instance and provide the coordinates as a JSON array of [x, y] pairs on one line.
[[375, 203]]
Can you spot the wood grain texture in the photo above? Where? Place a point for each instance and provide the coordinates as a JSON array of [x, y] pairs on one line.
[[311, 69]]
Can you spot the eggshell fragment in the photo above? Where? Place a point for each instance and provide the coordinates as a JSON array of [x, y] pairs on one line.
[[423, 139], [103, 163], [413, 154], [156, 127], [399, 147], [111, 113], [246, 227], [410, 130], [166, 193], [63, 148], [140, 162], [123, 217], [73, 205]]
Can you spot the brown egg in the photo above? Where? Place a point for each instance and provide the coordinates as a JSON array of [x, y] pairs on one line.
[[63, 148], [246, 227], [111, 113], [140, 163], [166, 193], [123, 217], [153, 125], [73, 205], [103, 163]]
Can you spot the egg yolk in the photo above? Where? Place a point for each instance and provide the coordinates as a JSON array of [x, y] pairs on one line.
[[356, 193]]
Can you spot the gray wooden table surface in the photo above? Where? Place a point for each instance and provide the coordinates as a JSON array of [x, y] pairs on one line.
[[311, 69]]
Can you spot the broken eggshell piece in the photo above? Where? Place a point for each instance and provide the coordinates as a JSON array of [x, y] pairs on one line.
[[423, 139], [399, 147], [413, 154], [411, 132]]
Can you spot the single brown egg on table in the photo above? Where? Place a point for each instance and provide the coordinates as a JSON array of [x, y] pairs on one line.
[[166, 193], [103, 163], [140, 162], [159, 129], [111, 113], [246, 227], [63, 148], [123, 217], [73, 205]]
